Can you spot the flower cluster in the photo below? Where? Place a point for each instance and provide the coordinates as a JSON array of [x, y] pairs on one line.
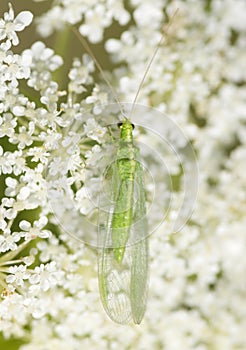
[[96, 15], [56, 143]]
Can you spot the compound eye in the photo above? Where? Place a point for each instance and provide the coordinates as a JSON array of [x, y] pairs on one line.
[[120, 125]]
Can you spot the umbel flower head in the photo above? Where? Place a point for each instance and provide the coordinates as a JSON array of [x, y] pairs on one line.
[[58, 132]]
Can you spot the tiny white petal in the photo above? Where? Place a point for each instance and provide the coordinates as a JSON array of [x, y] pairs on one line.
[[10, 279], [19, 111], [91, 99], [24, 193], [25, 225], [113, 45], [28, 260], [24, 17], [43, 221], [10, 182], [44, 234]]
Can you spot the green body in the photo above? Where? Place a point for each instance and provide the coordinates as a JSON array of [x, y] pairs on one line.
[[122, 236], [123, 196]]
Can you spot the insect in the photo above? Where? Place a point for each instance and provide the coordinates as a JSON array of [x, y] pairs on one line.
[[123, 258], [123, 229]]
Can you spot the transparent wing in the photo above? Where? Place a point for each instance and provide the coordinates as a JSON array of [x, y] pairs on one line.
[[114, 277], [123, 285], [114, 282], [139, 266]]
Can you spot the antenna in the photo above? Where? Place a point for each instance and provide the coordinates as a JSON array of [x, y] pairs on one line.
[[89, 51], [160, 43]]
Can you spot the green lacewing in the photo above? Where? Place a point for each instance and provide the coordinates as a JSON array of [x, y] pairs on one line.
[[122, 238], [123, 258]]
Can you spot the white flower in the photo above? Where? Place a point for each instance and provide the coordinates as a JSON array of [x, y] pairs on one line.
[[98, 98], [10, 25], [44, 61], [118, 12], [148, 15], [17, 275], [38, 154], [95, 20], [44, 55], [15, 67], [57, 166], [30, 232], [50, 138], [6, 162], [24, 136], [80, 74], [19, 162], [13, 312], [48, 23], [46, 276], [7, 125], [93, 156], [71, 142], [50, 97], [9, 241], [94, 131]]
